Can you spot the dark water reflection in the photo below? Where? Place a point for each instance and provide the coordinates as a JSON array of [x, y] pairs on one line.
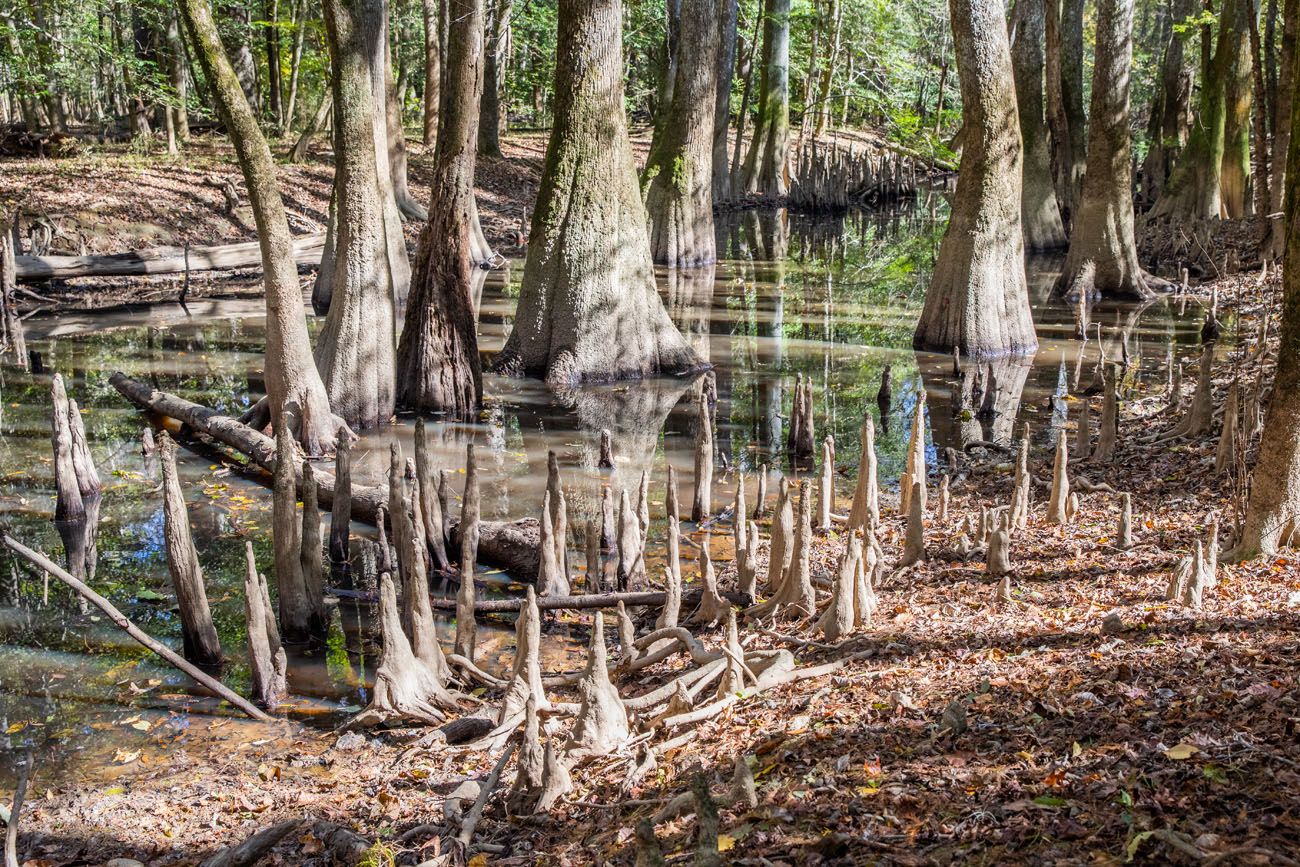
[[832, 300]]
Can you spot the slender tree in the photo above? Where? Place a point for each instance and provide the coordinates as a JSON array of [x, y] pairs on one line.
[[1235, 173], [978, 300], [679, 170], [1076, 122], [490, 114], [365, 265], [588, 308], [1040, 216], [1193, 189], [1286, 92], [438, 352], [1103, 255], [432, 12], [396, 138], [728, 12], [1273, 513], [1170, 106], [292, 381], [765, 162]]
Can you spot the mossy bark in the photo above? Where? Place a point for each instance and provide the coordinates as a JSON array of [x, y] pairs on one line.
[[292, 380], [589, 310], [766, 169], [1193, 189], [978, 300], [679, 171], [1274, 508]]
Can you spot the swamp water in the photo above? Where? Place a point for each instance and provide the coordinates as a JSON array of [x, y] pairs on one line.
[[831, 299]]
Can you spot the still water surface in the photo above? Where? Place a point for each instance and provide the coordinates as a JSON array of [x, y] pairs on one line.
[[830, 299]]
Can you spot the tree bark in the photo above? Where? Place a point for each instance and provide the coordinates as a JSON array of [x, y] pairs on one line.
[[438, 353], [178, 77], [1193, 189], [1072, 97], [1167, 131], [978, 300], [432, 10], [1103, 255], [1274, 507], [490, 117], [1286, 93], [397, 163], [589, 309], [271, 31], [1040, 216], [766, 171], [1235, 174], [198, 634], [292, 380], [679, 170], [366, 269], [727, 21]]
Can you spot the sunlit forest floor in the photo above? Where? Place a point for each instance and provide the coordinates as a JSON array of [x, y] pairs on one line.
[[1086, 721]]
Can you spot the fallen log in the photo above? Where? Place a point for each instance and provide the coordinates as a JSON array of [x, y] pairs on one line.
[[162, 260], [649, 598], [510, 545], [40, 561]]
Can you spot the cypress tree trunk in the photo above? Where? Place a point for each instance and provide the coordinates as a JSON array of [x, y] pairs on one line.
[[365, 268], [408, 206], [727, 20], [292, 381], [765, 163], [272, 34], [489, 119], [1282, 130], [1235, 173], [679, 170], [177, 75], [1274, 508], [1103, 256], [1072, 97], [1040, 217], [1193, 189], [432, 10], [978, 300], [589, 310], [438, 352], [1167, 131]]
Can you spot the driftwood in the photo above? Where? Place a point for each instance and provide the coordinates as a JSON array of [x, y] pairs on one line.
[[582, 601], [40, 561], [161, 260], [254, 848], [511, 545]]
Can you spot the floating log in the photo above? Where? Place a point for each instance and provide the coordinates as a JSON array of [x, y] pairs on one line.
[[161, 260], [584, 601], [40, 561], [511, 545]]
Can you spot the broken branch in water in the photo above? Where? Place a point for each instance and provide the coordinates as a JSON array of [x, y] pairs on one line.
[[40, 561]]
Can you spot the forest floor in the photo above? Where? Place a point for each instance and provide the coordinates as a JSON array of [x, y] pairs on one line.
[[1088, 721]]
